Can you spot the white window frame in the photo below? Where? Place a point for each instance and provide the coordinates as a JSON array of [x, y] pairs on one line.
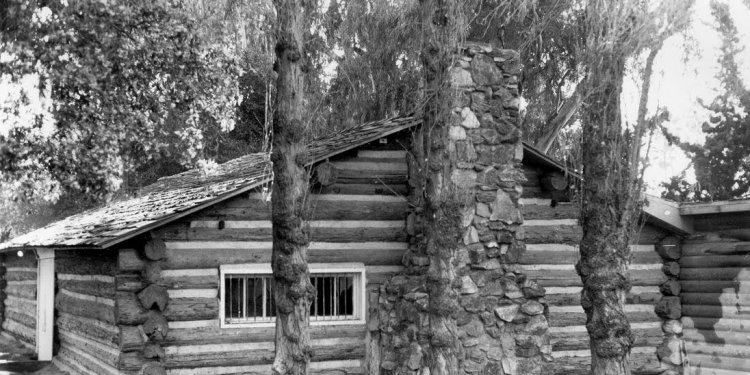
[[359, 297]]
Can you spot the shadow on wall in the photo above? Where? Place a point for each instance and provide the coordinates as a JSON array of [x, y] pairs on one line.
[[716, 310]]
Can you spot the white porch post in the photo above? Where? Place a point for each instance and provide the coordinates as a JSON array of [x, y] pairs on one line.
[[45, 303]]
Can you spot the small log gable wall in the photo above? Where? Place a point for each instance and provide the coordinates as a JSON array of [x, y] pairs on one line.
[[359, 217], [19, 297]]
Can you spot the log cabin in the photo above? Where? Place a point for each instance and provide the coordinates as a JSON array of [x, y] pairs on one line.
[[176, 280]]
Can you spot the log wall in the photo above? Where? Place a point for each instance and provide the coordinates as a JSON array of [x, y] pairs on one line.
[[359, 216], [715, 281], [552, 237], [86, 332], [19, 297]]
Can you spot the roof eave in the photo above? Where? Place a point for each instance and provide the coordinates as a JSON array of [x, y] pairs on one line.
[[234, 193]]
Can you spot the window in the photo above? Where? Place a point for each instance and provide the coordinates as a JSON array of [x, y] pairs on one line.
[[246, 297]]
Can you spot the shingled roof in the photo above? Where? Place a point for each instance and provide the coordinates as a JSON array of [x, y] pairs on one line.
[[173, 197]]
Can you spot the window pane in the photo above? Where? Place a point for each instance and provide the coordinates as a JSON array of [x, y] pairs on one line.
[[270, 301], [345, 295], [233, 297]]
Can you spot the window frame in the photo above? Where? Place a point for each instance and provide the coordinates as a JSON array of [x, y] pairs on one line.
[[359, 290]]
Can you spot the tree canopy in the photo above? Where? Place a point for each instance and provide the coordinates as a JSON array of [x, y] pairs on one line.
[[722, 163]]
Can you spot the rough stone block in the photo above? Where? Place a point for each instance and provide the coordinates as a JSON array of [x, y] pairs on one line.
[[464, 178], [504, 209], [485, 72], [460, 77], [669, 308], [456, 133], [670, 351], [507, 312], [673, 327], [471, 236], [468, 118], [532, 308], [468, 286]]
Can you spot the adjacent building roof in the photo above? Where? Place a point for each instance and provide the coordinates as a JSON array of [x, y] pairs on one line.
[[173, 197]]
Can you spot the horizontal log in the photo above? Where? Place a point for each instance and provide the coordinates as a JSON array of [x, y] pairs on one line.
[[741, 300], [536, 210], [195, 254], [23, 333], [718, 350], [93, 287], [334, 231], [92, 329], [21, 317], [400, 189], [721, 324], [554, 256], [208, 332], [85, 306], [562, 316], [130, 282], [20, 274], [718, 261], [715, 311], [371, 154], [650, 235], [561, 278], [537, 192], [642, 361], [28, 260], [132, 338], [574, 299], [180, 309], [323, 207], [62, 363], [580, 340], [565, 234], [704, 369], [717, 361], [27, 291], [340, 367], [131, 361], [104, 353], [86, 262], [84, 362], [27, 306], [129, 260], [716, 337], [128, 310], [200, 278], [710, 286], [702, 248], [712, 274], [259, 353]]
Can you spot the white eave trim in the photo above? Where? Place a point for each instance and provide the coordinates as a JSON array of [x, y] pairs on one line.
[[715, 207]]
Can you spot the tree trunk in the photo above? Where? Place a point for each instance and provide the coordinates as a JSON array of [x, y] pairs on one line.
[[608, 216], [444, 203], [292, 290]]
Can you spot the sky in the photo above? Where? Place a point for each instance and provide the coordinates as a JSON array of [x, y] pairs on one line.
[[680, 80]]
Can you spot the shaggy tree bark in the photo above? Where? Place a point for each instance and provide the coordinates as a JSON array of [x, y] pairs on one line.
[[292, 289], [444, 203], [608, 215]]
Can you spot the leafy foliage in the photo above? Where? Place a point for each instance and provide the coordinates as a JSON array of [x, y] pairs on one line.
[[105, 97], [722, 163]]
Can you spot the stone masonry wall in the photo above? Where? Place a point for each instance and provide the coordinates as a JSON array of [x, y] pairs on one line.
[[502, 320]]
